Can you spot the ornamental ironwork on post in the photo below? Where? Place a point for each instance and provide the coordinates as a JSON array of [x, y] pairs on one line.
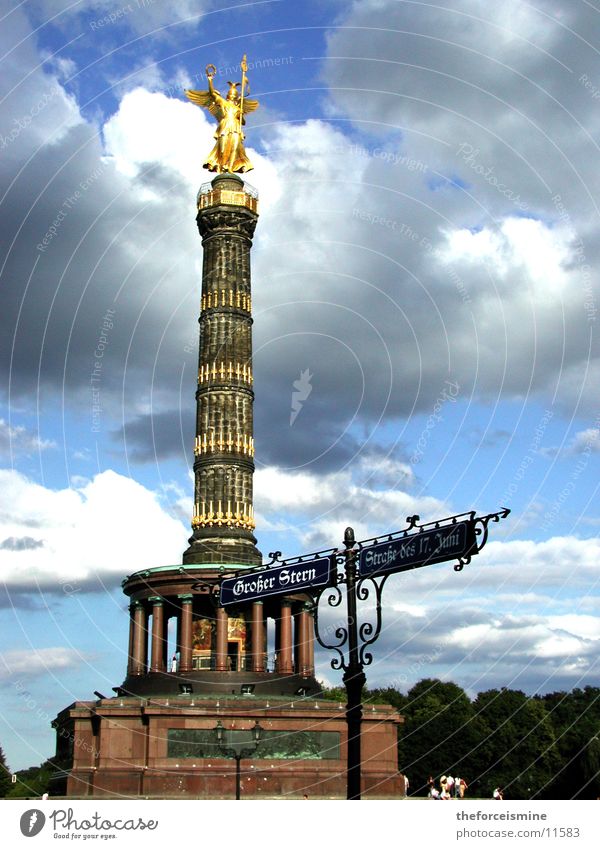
[[366, 567]]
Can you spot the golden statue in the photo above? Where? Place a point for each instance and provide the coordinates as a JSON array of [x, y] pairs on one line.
[[228, 154]]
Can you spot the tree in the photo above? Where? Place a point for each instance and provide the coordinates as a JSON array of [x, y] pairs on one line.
[[517, 748], [388, 696], [5, 779], [438, 732], [575, 717], [33, 781]]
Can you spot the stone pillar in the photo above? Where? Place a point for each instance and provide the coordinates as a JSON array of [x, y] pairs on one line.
[[130, 655], [140, 643], [185, 633], [221, 652], [284, 657], [157, 656], [302, 641], [310, 624], [258, 637], [166, 657], [277, 643]]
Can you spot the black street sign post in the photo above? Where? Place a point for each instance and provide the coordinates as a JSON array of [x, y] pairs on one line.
[[367, 566]]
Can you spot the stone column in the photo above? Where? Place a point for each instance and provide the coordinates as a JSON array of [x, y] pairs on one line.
[[165, 641], [185, 633], [140, 634], [223, 520], [130, 655], [310, 624], [277, 643], [284, 658], [157, 656], [221, 653], [302, 643], [258, 637]]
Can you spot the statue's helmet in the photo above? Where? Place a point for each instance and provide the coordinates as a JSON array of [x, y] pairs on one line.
[[232, 94]]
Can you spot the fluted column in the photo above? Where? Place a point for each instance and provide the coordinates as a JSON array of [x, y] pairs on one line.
[[221, 652], [140, 634], [258, 637], [185, 634], [285, 662], [157, 651]]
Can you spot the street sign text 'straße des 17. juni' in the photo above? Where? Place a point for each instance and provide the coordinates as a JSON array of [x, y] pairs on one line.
[[418, 549]]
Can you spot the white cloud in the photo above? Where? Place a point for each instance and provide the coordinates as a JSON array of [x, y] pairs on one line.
[[530, 248], [586, 441], [140, 16], [105, 529], [151, 127], [16, 440], [321, 504], [34, 662]]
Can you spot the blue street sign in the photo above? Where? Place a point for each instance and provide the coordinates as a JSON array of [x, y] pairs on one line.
[[252, 586], [448, 542]]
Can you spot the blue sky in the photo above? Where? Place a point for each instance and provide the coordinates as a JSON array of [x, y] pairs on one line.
[[426, 249]]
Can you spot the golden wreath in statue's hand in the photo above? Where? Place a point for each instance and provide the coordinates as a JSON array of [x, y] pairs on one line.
[[210, 71]]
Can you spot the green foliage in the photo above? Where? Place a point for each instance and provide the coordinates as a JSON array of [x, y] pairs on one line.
[[334, 694], [388, 696], [31, 782], [575, 717], [5, 779], [516, 749], [438, 732]]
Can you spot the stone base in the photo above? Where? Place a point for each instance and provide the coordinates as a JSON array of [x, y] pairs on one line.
[[120, 749], [216, 547], [204, 683]]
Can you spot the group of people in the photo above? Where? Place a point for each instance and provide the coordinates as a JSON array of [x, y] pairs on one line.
[[450, 788]]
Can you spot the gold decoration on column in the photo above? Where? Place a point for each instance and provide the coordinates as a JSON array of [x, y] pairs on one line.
[[225, 371], [224, 442], [242, 517]]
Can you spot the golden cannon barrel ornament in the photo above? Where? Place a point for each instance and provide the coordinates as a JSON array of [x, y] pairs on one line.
[[228, 154]]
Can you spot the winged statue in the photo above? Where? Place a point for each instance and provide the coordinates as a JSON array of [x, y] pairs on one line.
[[228, 154]]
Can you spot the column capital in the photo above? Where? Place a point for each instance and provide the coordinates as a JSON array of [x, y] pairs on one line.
[[186, 598], [156, 600]]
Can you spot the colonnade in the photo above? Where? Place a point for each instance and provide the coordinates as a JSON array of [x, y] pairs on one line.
[[294, 636]]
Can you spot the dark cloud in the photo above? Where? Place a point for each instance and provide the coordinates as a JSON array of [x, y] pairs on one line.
[[158, 437]]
